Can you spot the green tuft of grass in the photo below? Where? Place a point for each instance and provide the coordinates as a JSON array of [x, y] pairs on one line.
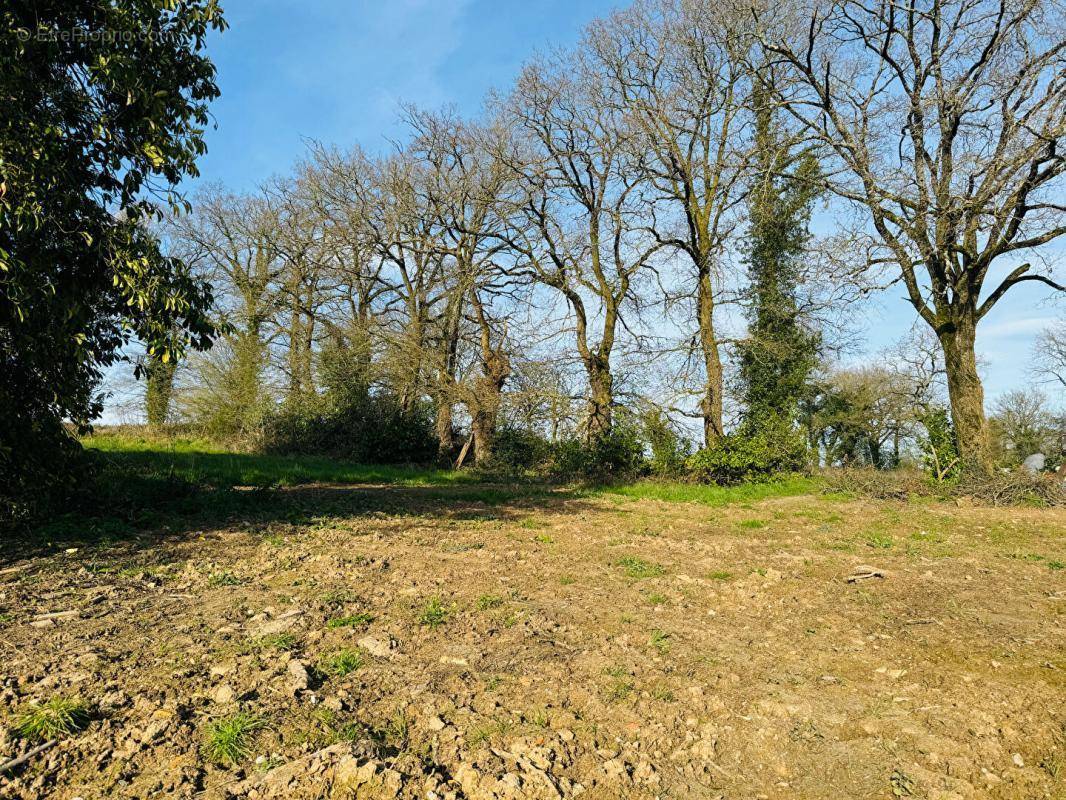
[[1056, 565], [543, 538], [341, 663], [350, 621], [880, 540], [489, 601], [719, 575], [434, 613], [635, 567], [660, 640], [53, 719], [276, 641], [218, 579], [657, 599], [228, 740], [566, 580], [751, 524]]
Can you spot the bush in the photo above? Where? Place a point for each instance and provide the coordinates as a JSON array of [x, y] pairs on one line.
[[42, 466], [940, 450], [617, 453], [516, 451], [749, 455], [374, 429], [669, 448]]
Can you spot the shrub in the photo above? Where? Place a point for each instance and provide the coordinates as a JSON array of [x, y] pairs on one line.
[[940, 451], [668, 448], [617, 453], [373, 429], [750, 455]]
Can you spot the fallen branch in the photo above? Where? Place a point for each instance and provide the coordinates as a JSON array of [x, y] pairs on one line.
[[14, 763], [865, 573]]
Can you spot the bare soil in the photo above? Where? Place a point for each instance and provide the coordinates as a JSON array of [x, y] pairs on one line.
[[553, 646]]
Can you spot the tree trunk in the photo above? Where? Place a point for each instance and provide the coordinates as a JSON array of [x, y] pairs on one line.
[[445, 429], [601, 397], [711, 402], [158, 390], [966, 393]]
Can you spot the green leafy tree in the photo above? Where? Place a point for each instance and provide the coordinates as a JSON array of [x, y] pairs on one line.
[[780, 351], [103, 108]]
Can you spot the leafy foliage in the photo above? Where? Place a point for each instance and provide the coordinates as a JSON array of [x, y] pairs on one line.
[[940, 449], [750, 454], [780, 351], [104, 105], [373, 429]]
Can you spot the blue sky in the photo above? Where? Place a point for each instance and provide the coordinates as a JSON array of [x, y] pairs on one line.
[[336, 71]]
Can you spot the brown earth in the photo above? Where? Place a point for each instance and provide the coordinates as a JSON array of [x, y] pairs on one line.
[[593, 646]]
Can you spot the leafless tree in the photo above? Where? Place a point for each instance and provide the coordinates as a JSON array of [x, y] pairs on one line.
[[946, 119], [1050, 367], [576, 210], [678, 71]]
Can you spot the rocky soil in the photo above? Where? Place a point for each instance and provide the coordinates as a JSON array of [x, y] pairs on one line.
[[560, 647]]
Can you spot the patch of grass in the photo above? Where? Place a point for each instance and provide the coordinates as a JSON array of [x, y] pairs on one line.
[[751, 524], [635, 567], [350, 621], [1056, 565], [228, 741], [434, 613], [543, 538], [657, 599], [719, 575], [274, 641], [489, 601], [532, 523], [55, 718], [713, 495], [567, 580], [660, 640], [341, 663], [880, 540], [201, 462], [218, 579]]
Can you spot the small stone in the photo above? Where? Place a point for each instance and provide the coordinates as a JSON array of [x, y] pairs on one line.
[[1018, 760], [223, 695], [298, 677], [376, 647], [435, 724]]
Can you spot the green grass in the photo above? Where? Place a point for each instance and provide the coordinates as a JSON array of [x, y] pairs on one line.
[[635, 567], [489, 601], [713, 495], [434, 614], [202, 462], [53, 719], [350, 621], [341, 663], [228, 741]]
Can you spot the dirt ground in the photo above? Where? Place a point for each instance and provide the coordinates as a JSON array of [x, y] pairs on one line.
[[554, 646]]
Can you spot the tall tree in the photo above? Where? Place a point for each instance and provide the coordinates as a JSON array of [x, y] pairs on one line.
[[103, 108], [780, 351], [947, 121], [578, 212], [678, 71]]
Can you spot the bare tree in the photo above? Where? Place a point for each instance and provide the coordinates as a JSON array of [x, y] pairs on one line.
[[678, 71], [577, 214], [947, 120], [464, 178], [1050, 354]]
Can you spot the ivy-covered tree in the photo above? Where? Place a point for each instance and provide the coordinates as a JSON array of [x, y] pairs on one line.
[[780, 351], [103, 112]]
